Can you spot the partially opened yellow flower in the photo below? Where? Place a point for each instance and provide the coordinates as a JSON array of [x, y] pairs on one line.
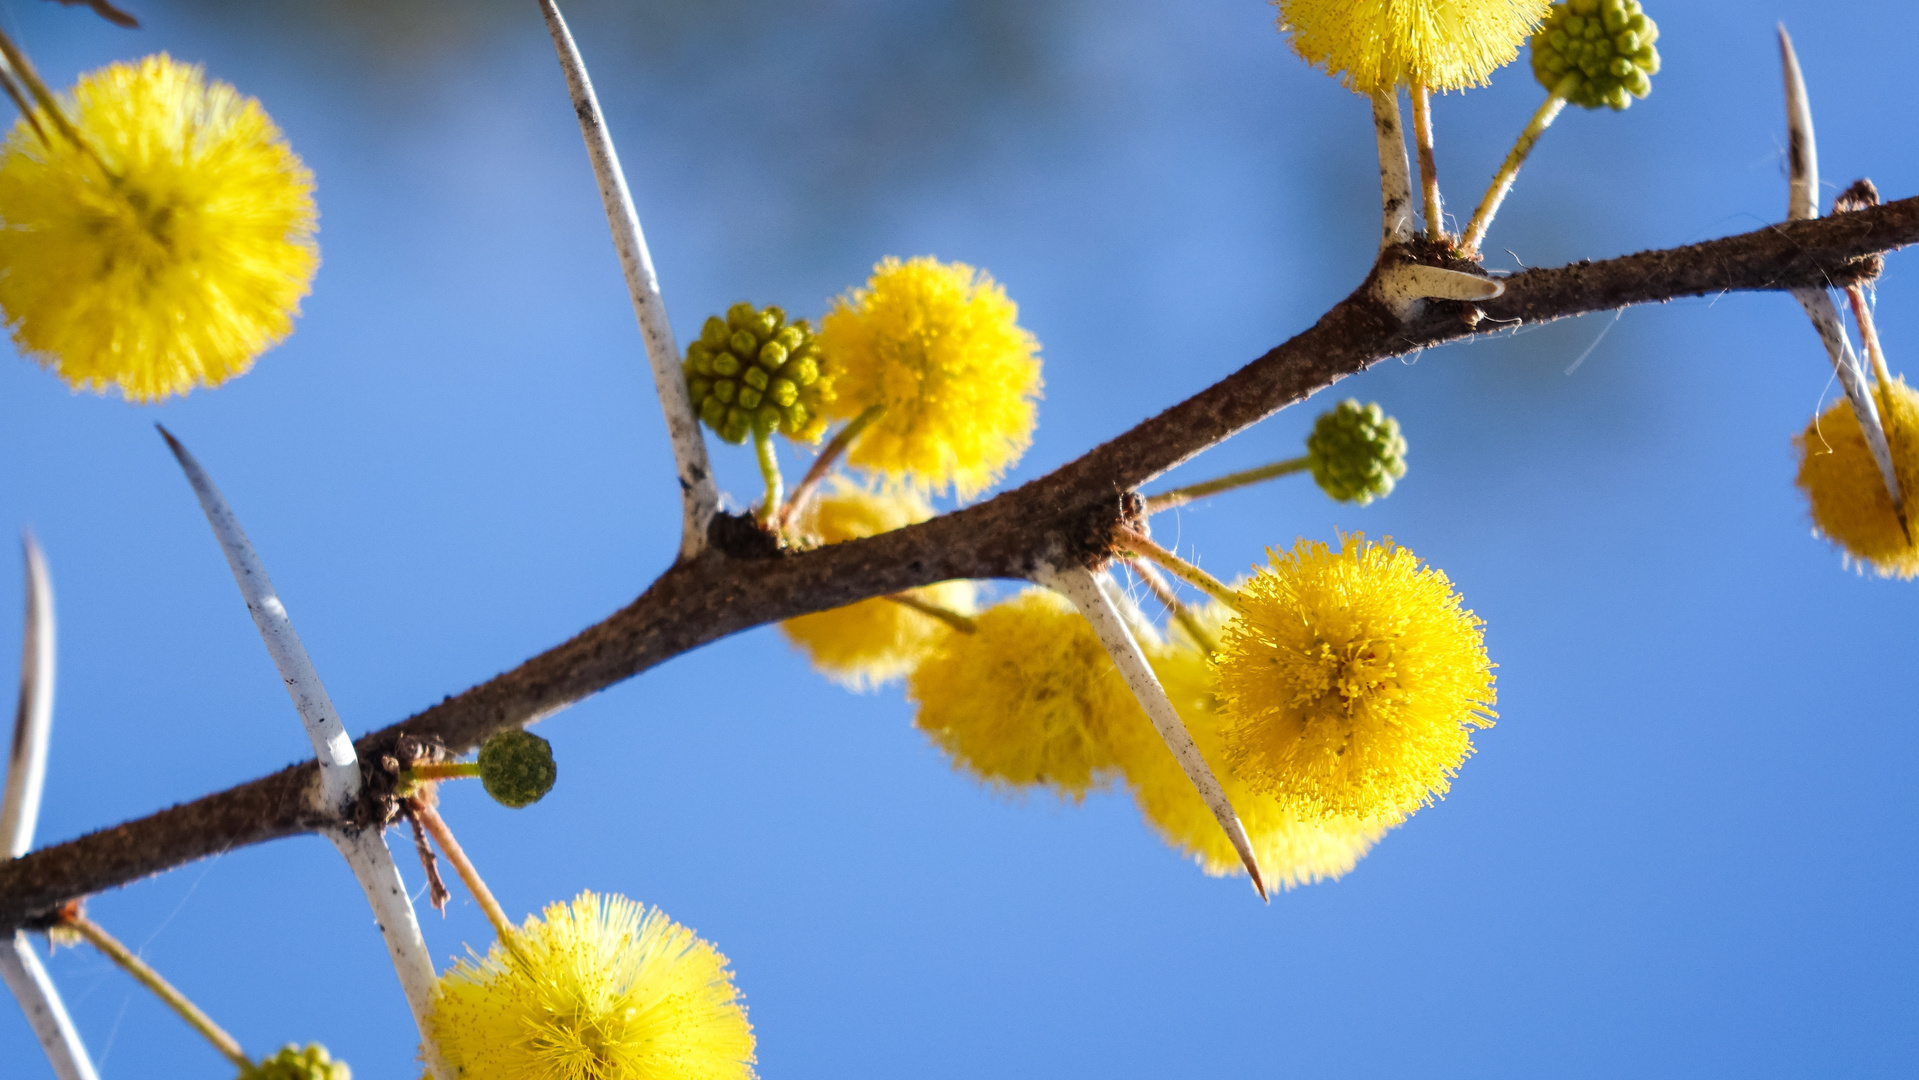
[[939, 347], [1374, 45], [1292, 850], [1030, 698], [1350, 680], [1842, 482], [170, 249], [874, 641], [598, 989]]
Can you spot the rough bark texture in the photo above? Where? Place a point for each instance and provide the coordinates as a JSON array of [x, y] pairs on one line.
[[743, 580]]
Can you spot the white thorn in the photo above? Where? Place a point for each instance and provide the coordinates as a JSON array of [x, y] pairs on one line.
[[700, 499], [1395, 174], [20, 969], [339, 766], [1079, 585], [1404, 287], [33, 722], [373, 866], [1802, 151], [1852, 376]]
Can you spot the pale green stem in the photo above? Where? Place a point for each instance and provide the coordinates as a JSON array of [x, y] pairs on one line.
[[963, 623], [1187, 620], [427, 772], [834, 449], [456, 855], [1428, 163], [149, 978], [770, 470], [1167, 500], [1138, 544], [1509, 171]]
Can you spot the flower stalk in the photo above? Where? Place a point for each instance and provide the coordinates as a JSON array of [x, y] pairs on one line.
[[1163, 591], [965, 624], [1167, 500], [1428, 163], [1508, 173], [769, 460], [424, 813], [835, 448], [72, 918], [1137, 542]]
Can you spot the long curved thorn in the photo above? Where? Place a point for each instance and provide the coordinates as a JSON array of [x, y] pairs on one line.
[[366, 852], [1802, 150], [46, 1013], [33, 720], [1080, 586], [700, 499], [339, 766], [1802, 204]]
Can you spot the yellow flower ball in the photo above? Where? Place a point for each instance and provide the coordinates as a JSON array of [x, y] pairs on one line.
[[939, 346], [601, 988], [170, 250], [1350, 680], [1031, 698], [1292, 850], [1850, 504], [1374, 45], [874, 641]]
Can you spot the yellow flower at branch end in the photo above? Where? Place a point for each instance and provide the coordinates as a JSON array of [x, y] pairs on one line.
[[1375, 45], [601, 988], [1842, 482], [1292, 850], [1350, 681], [1032, 698], [170, 250], [939, 345], [874, 641]]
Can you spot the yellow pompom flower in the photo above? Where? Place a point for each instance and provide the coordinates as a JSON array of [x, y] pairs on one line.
[[598, 989], [1350, 680], [938, 345], [1292, 850], [1374, 45], [168, 251], [1030, 698], [1842, 482], [874, 641]]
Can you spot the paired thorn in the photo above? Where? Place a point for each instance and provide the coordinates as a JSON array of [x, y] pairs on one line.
[[1803, 205], [1405, 287]]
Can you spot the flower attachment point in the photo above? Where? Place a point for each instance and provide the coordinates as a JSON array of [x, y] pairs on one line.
[[1030, 698], [755, 371], [1350, 680], [1846, 491], [165, 250], [600, 988], [939, 346], [517, 768], [1597, 52], [293, 1063], [1375, 45], [1356, 452], [874, 641]]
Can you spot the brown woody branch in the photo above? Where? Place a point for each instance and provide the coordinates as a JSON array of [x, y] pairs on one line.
[[1069, 514]]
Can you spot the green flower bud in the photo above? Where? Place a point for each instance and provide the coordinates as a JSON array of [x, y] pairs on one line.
[[517, 768], [753, 369], [293, 1063], [1356, 452], [1603, 47]]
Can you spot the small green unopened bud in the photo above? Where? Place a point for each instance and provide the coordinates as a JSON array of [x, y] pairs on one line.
[[1603, 48], [753, 370], [1356, 452], [517, 768], [293, 1063]]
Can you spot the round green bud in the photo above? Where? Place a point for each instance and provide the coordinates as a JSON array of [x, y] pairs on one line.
[[1597, 52], [517, 768], [755, 371], [293, 1063], [1356, 452]]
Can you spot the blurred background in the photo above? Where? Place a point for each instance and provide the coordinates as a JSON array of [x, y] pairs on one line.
[[1684, 850]]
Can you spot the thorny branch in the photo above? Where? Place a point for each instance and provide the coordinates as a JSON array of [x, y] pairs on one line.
[[1065, 518]]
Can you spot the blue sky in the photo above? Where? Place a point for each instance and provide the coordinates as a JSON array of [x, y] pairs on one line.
[[1685, 849]]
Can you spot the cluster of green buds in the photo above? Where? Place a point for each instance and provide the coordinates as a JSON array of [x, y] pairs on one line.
[[1597, 52], [1356, 452], [517, 769], [293, 1063], [754, 371]]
